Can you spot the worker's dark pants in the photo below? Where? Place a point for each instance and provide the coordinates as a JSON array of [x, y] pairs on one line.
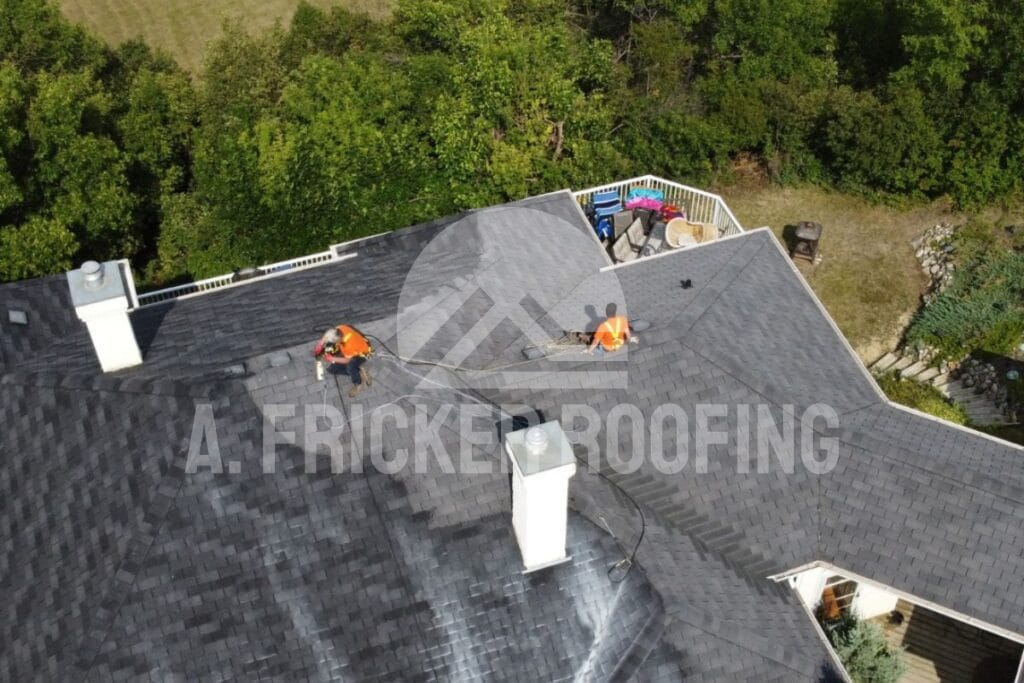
[[352, 368]]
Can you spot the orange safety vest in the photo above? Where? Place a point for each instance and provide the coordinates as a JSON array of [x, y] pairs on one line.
[[612, 333], [352, 343]]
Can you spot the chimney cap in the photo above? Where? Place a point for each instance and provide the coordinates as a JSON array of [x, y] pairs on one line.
[[95, 282], [540, 448], [92, 274], [536, 440]]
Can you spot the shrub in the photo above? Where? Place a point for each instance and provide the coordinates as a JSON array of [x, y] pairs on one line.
[[983, 307], [921, 396], [40, 246], [865, 653]]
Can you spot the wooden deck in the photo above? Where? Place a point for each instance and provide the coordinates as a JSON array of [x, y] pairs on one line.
[[937, 648]]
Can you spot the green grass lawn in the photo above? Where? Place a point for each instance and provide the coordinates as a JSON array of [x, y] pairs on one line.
[[869, 279], [183, 28]]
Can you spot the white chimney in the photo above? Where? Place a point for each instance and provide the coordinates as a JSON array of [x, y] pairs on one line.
[[542, 464], [102, 294]]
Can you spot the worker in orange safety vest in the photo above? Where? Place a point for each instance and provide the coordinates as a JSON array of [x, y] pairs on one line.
[[346, 346], [613, 332]]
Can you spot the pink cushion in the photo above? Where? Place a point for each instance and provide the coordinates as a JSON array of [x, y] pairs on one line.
[[645, 203]]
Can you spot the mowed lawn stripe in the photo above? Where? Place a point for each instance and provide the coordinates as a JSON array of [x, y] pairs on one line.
[[183, 28]]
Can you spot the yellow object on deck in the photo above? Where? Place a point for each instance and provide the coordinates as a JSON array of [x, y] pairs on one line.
[[682, 233]]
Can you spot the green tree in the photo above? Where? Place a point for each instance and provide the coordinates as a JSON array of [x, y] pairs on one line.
[[941, 38], [770, 68], [785, 40], [980, 151], [38, 247], [243, 76], [685, 13], [664, 60], [865, 653], [868, 42], [331, 33], [193, 244], [156, 128], [890, 145], [495, 101], [335, 158], [12, 113], [79, 170], [1003, 56], [35, 37], [521, 96]]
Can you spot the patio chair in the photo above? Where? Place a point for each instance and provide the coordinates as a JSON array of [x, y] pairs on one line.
[[605, 200], [655, 241], [646, 217], [627, 247], [621, 221], [603, 206]]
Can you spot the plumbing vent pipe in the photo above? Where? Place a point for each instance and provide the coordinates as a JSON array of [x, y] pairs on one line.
[[246, 274], [542, 464], [100, 295]]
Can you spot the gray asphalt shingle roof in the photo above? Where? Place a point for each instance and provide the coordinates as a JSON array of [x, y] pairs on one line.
[[119, 564]]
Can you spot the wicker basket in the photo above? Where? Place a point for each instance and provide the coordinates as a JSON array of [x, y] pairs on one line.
[[679, 232]]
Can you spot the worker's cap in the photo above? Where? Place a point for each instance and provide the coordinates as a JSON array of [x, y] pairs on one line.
[[331, 336]]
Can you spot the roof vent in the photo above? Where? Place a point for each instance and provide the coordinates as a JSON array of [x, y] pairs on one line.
[[542, 464], [17, 317], [536, 441], [100, 295], [246, 274], [92, 275]]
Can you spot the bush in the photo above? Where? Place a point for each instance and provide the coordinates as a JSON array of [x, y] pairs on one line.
[[339, 126], [983, 307], [921, 396], [865, 653], [886, 143], [39, 247]]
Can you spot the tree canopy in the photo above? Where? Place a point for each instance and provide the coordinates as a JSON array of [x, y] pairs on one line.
[[338, 126]]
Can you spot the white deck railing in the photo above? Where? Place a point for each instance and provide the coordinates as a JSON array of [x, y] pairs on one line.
[[223, 281], [701, 206]]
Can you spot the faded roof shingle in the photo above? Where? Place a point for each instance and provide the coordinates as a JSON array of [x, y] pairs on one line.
[[250, 575]]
